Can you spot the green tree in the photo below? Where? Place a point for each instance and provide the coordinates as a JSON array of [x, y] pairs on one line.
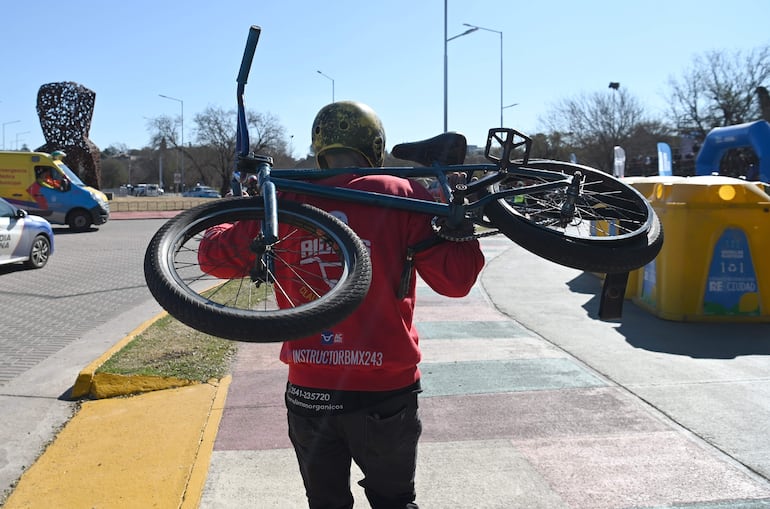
[[115, 162], [555, 145], [114, 173]]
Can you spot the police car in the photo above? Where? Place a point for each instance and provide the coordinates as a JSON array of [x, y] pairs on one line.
[[24, 238]]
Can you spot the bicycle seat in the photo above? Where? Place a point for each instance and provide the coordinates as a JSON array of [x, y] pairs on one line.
[[444, 149]]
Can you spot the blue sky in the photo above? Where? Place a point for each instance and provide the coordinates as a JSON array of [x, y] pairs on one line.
[[389, 54]]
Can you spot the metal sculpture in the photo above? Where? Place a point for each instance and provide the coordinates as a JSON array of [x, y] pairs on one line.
[[65, 110]]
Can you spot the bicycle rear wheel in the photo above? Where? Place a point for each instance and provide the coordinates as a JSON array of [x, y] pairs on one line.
[[314, 276], [612, 228]]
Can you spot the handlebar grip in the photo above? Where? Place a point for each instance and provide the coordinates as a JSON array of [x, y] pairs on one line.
[[248, 54]]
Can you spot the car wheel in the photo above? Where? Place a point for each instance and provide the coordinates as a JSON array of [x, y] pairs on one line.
[[79, 220], [39, 252]]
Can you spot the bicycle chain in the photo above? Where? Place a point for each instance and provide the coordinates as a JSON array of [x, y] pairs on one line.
[[459, 238], [486, 234]]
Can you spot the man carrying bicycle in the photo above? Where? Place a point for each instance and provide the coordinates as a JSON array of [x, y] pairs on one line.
[[352, 390]]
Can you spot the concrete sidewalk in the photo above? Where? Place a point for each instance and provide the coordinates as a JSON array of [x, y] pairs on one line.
[[511, 419]]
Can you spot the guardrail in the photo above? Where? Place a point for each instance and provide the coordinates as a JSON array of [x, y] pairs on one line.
[[149, 204]]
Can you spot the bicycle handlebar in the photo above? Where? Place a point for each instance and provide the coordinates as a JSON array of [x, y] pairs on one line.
[[242, 132], [248, 54]]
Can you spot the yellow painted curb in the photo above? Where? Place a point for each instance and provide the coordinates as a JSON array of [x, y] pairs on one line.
[[110, 385], [200, 469], [151, 450], [104, 385]]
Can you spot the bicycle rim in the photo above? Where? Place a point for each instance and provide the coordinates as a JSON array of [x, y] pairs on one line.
[[613, 228], [316, 253]]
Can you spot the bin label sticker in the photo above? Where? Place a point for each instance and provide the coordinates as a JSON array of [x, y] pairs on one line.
[[649, 282], [731, 288]]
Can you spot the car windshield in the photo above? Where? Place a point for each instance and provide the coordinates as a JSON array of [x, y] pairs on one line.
[[70, 174]]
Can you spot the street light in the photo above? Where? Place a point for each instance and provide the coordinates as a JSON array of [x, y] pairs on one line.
[[5, 124], [330, 79], [181, 102], [501, 64], [446, 62], [17, 138], [509, 106]]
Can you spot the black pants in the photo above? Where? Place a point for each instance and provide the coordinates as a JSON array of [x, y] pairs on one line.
[[381, 439]]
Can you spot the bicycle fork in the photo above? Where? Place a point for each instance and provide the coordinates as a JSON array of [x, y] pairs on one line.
[[262, 245]]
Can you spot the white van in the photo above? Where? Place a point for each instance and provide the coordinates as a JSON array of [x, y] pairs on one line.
[[153, 190]]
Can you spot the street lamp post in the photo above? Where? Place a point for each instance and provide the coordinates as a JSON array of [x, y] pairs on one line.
[[501, 63], [17, 138], [181, 102], [330, 79], [505, 108], [5, 124], [446, 64]]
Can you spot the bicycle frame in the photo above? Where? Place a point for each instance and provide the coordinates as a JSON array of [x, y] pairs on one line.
[[300, 182], [572, 215]]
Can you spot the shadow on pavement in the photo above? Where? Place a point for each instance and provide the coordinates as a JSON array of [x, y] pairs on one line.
[[66, 230], [700, 340]]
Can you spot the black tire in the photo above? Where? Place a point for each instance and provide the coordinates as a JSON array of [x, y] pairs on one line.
[[39, 252], [79, 220], [614, 229], [239, 309]]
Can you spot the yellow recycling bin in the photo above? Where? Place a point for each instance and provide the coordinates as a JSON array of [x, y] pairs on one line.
[[646, 186], [715, 260]]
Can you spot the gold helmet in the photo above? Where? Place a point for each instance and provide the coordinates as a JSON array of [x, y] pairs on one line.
[[349, 125]]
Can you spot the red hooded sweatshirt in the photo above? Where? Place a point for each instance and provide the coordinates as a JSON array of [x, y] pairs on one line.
[[377, 347]]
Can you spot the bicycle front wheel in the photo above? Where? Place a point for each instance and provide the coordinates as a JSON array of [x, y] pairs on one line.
[[609, 227], [314, 276]]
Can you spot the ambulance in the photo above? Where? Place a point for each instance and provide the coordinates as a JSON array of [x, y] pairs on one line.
[[44, 186]]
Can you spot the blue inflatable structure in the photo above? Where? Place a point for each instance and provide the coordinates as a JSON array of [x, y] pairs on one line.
[[720, 139]]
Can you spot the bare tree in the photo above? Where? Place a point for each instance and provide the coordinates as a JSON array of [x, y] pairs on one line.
[[764, 102], [719, 89], [216, 132], [212, 157], [593, 124], [165, 134], [163, 128]]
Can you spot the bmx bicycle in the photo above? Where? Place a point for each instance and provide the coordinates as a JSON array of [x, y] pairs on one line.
[[570, 214]]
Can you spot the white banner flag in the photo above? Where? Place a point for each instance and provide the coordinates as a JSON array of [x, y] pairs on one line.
[[619, 168], [664, 160]]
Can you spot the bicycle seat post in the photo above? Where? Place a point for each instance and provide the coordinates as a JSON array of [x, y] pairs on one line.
[[443, 184]]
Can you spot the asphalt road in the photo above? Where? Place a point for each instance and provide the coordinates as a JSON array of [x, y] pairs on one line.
[[56, 320]]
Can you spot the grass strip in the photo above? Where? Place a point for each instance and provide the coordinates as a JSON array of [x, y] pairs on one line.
[[168, 348]]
